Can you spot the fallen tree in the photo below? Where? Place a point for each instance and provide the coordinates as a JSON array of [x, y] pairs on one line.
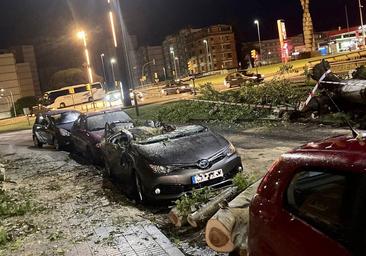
[[200, 217], [226, 231]]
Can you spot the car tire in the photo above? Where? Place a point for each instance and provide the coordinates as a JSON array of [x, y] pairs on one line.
[[36, 142], [57, 144], [107, 169], [166, 93], [62, 105], [90, 99]]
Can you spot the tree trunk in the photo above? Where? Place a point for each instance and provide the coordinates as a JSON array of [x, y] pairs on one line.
[[226, 231], [308, 27], [177, 218], [205, 212]]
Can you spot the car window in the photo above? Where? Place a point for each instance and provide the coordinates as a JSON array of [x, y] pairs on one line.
[[330, 202], [80, 89], [65, 118], [98, 122]]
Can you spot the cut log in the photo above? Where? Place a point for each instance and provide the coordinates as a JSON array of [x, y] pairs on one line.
[[226, 231], [177, 218], [201, 216]]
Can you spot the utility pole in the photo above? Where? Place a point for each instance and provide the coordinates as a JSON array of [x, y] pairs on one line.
[[347, 20], [361, 18]]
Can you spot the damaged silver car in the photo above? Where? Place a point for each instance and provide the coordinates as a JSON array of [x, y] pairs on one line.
[[159, 162]]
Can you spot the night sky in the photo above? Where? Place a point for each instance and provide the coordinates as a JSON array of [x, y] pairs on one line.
[[51, 24], [151, 20]]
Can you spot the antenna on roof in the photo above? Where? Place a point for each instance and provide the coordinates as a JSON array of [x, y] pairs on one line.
[[355, 133]]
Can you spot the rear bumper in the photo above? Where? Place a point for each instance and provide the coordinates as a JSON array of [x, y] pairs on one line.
[[176, 184]]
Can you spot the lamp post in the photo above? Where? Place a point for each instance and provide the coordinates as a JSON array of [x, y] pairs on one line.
[[361, 19], [259, 39], [165, 76], [207, 52], [82, 35], [143, 69], [12, 101], [113, 61], [178, 67], [175, 64], [103, 67]]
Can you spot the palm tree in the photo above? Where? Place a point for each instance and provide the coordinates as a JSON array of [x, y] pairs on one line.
[[308, 27]]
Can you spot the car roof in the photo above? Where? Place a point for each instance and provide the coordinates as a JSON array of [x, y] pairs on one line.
[[98, 113], [57, 112], [342, 152]]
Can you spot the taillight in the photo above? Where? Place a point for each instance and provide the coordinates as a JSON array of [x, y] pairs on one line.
[[262, 186]]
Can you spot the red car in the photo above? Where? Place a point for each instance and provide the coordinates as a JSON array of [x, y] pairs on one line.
[[312, 202], [88, 131]]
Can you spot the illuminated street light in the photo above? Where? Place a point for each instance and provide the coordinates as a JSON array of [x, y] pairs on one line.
[[259, 38], [206, 43], [111, 19], [103, 67], [175, 64], [12, 100], [82, 35]]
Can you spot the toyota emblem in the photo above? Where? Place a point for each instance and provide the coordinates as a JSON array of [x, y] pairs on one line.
[[203, 164]]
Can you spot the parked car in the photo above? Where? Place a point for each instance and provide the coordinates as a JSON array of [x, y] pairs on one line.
[[176, 88], [88, 131], [312, 202], [238, 79], [53, 128], [164, 162]]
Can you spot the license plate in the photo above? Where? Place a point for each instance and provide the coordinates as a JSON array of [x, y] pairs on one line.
[[200, 178]]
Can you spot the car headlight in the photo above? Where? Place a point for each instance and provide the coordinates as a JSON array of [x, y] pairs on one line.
[[160, 169], [231, 150], [65, 133]]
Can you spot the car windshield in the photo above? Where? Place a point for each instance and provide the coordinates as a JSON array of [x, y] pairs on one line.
[[65, 118], [146, 135], [96, 123]]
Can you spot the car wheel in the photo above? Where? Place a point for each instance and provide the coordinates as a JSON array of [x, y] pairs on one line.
[[166, 93], [62, 105], [36, 142], [57, 145], [90, 99], [107, 169]]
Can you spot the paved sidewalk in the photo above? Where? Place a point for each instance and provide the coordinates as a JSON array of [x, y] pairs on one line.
[[137, 240]]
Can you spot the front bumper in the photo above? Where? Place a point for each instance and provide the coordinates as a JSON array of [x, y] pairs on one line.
[[174, 185]]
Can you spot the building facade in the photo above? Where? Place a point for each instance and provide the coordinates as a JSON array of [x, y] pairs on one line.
[[151, 64], [212, 48], [26, 54]]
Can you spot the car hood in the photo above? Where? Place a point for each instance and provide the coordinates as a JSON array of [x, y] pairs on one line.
[[183, 151], [98, 135], [66, 127]]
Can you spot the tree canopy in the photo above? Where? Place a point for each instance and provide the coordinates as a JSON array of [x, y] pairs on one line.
[[72, 76]]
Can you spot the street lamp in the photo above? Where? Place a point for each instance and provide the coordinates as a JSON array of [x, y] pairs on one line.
[[143, 69], [113, 61], [206, 43], [259, 38], [103, 67], [82, 35], [12, 100], [361, 18], [175, 64]]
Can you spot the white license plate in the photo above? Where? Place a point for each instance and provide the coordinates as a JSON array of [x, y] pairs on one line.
[[197, 179]]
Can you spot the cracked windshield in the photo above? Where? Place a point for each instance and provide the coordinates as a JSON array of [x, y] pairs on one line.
[[182, 128]]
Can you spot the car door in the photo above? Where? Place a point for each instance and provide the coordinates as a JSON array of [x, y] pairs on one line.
[[315, 215], [42, 130], [78, 134], [112, 155]]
